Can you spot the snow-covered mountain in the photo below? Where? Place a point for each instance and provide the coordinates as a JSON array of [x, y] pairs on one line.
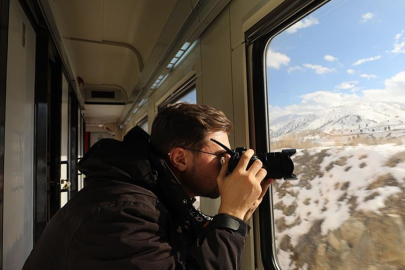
[[358, 118]]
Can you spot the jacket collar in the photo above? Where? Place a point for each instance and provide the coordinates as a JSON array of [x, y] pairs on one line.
[[171, 190]]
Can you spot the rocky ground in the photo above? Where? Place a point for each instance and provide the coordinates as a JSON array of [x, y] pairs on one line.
[[346, 211]]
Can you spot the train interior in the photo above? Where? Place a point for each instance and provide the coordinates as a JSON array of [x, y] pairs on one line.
[[326, 78]]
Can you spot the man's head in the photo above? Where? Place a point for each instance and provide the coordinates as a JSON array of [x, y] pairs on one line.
[[180, 132], [186, 125]]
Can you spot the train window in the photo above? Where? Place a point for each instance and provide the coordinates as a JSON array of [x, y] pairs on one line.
[[80, 146], [186, 91], [144, 124], [336, 93], [64, 166], [190, 97]]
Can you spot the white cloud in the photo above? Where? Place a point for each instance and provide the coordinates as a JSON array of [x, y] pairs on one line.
[[362, 61], [347, 85], [399, 43], [295, 68], [368, 76], [330, 58], [327, 98], [367, 16], [319, 101], [276, 59], [393, 92], [350, 71], [319, 69], [277, 112], [307, 22]]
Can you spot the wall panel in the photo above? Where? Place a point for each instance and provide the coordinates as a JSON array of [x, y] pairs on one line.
[[216, 65], [19, 138]]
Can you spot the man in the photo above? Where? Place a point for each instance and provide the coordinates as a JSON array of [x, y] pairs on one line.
[[136, 209]]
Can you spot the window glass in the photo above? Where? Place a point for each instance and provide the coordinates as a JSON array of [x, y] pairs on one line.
[[190, 97], [144, 124], [80, 146], [336, 93], [64, 168]]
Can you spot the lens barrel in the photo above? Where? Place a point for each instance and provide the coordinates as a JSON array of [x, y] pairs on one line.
[[279, 164]]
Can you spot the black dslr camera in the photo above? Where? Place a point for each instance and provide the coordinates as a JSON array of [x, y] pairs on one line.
[[277, 164]]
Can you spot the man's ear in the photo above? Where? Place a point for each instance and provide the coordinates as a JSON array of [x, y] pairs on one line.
[[179, 158]]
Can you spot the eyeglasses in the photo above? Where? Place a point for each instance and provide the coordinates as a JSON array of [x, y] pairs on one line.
[[214, 154]]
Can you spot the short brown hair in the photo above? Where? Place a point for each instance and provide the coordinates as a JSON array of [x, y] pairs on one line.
[[186, 125]]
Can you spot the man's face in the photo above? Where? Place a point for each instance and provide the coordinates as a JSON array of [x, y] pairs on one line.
[[202, 176]]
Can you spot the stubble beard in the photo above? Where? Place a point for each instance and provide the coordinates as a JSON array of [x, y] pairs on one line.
[[197, 184]]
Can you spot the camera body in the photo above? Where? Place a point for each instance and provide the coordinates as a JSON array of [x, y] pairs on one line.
[[277, 164]]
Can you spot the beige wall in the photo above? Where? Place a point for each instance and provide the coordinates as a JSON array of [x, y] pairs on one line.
[[218, 60]]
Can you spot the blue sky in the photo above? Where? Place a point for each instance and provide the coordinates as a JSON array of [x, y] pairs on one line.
[[347, 51], [191, 97]]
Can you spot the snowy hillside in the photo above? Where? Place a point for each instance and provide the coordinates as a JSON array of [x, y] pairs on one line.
[[378, 118], [343, 195]]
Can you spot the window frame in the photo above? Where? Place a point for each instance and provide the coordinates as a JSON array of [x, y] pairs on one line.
[[257, 39], [4, 20]]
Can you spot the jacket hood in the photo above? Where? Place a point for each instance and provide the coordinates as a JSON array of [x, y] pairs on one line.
[[125, 160], [132, 160]]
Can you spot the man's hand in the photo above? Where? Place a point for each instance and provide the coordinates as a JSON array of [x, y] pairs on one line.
[[242, 191], [265, 185]]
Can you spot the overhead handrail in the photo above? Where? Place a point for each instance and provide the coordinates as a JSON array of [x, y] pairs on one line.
[[114, 43]]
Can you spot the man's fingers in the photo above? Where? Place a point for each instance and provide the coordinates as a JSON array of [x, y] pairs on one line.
[[265, 185], [256, 168], [245, 158]]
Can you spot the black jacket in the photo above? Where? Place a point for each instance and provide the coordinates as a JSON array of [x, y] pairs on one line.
[[133, 214]]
